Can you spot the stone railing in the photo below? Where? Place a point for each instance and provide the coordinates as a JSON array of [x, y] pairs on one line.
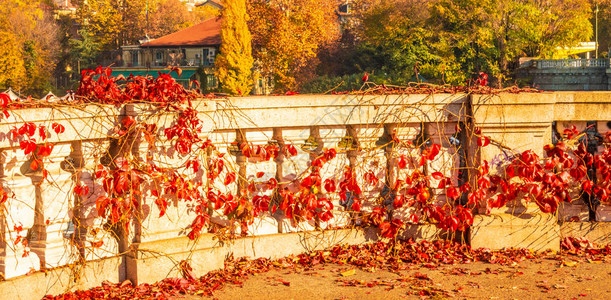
[[62, 226], [570, 63], [568, 74]]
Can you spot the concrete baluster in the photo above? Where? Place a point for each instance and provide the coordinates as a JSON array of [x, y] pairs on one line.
[[352, 154], [315, 133], [74, 165], [279, 160], [37, 235], [241, 159], [387, 142]]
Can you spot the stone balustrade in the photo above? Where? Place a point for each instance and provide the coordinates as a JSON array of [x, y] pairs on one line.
[[568, 74], [571, 63], [61, 226]]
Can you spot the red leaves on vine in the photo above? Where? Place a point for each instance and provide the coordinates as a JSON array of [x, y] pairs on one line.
[[229, 178], [45, 150], [261, 204], [271, 183], [5, 100], [390, 229], [482, 79], [483, 141], [34, 164], [42, 132], [437, 175], [28, 146], [197, 225], [329, 185], [371, 178], [402, 162], [587, 185], [413, 218], [81, 190], [571, 132], [330, 154], [377, 215], [356, 206], [28, 129], [194, 164], [58, 128], [429, 153], [290, 150], [311, 180], [100, 172], [162, 205]]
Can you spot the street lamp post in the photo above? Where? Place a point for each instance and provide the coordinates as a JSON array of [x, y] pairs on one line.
[[596, 27]]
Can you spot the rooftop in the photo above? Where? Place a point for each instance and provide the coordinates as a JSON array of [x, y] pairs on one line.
[[206, 33]]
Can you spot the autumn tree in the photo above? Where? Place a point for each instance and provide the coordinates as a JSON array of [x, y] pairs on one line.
[[30, 48], [558, 23], [235, 62], [205, 12], [106, 21], [12, 71], [287, 37], [116, 23], [170, 16]]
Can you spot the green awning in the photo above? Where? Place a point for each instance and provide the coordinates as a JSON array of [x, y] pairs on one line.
[[186, 74]]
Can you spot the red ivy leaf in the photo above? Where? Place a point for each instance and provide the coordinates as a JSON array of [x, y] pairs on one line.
[[483, 141], [230, 178], [437, 175], [34, 165], [402, 162], [4, 100], [292, 151], [58, 128], [329, 185]]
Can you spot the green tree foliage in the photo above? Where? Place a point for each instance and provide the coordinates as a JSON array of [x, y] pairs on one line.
[[604, 27], [30, 48], [394, 41], [487, 35], [235, 62], [451, 41], [83, 52]]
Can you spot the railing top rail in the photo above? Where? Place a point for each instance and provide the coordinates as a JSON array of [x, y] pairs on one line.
[[571, 63]]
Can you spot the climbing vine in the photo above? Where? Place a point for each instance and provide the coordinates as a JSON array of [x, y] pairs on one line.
[[208, 181]]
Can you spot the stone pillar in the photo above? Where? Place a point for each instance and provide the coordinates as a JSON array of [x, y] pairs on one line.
[[13, 262], [514, 123]]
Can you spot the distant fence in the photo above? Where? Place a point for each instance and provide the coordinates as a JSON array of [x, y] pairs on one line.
[[568, 63]]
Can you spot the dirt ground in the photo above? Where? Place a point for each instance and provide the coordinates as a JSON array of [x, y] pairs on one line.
[[530, 279]]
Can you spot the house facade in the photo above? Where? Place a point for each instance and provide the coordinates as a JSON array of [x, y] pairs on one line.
[[193, 49]]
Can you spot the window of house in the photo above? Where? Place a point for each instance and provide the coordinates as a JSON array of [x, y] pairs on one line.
[[158, 57], [345, 8], [211, 56], [135, 58], [210, 81], [205, 60]]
